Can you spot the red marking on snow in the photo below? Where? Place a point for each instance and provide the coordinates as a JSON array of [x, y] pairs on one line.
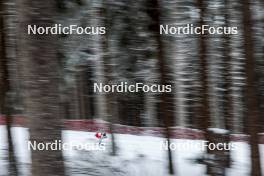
[[17, 120], [100, 125]]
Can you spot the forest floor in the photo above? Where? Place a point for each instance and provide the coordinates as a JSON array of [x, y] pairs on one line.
[[136, 156]]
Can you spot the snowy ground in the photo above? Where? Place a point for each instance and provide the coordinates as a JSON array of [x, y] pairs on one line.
[[137, 156]]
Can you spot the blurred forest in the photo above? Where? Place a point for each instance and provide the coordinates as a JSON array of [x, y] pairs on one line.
[[217, 80]]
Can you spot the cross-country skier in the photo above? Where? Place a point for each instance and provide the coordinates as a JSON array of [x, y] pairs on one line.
[[100, 136]]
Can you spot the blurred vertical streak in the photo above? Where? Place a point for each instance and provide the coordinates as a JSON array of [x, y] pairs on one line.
[[111, 104], [228, 106], [166, 100], [40, 69], [251, 90], [5, 108], [204, 109]]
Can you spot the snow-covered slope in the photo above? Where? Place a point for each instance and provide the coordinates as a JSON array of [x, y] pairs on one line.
[[137, 155]]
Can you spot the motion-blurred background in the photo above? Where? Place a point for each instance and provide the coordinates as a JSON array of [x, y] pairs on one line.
[[47, 93]]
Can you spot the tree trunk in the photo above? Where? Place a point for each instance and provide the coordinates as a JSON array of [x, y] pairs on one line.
[[204, 114], [227, 97], [5, 108], [40, 69], [251, 91], [204, 110], [166, 99], [111, 100]]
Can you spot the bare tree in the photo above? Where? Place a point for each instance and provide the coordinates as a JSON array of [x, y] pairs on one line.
[[204, 110], [166, 100], [38, 55], [251, 90], [227, 97], [111, 102], [5, 104], [204, 114]]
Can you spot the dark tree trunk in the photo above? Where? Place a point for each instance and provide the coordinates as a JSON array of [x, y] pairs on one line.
[[5, 108], [204, 114], [251, 91], [227, 75], [166, 100], [227, 97], [204, 110], [40, 68]]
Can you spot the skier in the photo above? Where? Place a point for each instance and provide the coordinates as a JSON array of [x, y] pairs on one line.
[[100, 136]]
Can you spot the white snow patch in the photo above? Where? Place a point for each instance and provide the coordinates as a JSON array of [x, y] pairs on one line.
[[137, 155]]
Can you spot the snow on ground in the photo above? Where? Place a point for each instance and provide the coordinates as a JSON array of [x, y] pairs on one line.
[[137, 155]]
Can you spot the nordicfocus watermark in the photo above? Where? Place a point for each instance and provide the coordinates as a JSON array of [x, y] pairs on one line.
[[197, 145], [58, 29], [198, 30], [124, 87], [59, 145]]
